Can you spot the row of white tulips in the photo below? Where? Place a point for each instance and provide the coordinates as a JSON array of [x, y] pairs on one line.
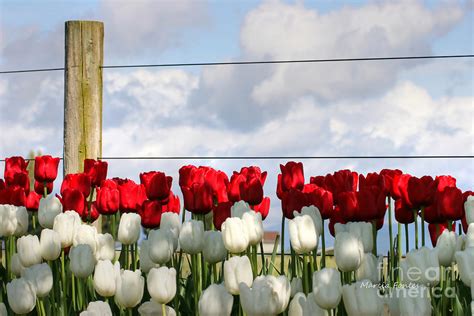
[[93, 256]]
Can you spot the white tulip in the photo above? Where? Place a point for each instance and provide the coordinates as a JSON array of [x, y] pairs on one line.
[[152, 308], [237, 270], [21, 215], [16, 266], [8, 220], [129, 228], [269, 295], [130, 286], [105, 247], [215, 300], [362, 299], [327, 288], [191, 236], [312, 211], [21, 296], [464, 260], [469, 237], [3, 310], [214, 249], [29, 250], [303, 234], [421, 267], [41, 277], [369, 269], [50, 244], [66, 224], [235, 235], [362, 230], [305, 306], [239, 208], [348, 251], [446, 246], [86, 234], [253, 222], [170, 221], [161, 245], [48, 209], [82, 260], [414, 301], [145, 261], [469, 209], [104, 278], [296, 286], [97, 308], [161, 284]]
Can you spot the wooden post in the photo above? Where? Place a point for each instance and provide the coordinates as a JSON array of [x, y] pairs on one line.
[[83, 93]]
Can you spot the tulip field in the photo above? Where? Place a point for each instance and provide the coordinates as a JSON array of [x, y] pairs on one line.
[[111, 246]]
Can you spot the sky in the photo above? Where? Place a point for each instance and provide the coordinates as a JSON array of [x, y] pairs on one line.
[[416, 107]]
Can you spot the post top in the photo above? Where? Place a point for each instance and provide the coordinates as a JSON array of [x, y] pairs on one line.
[[84, 21]]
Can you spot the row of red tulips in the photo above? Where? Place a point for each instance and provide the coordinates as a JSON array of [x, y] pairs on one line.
[[341, 197]]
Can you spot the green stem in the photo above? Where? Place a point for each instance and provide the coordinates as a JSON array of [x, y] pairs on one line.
[[374, 236], [305, 274], [262, 257], [399, 250], [195, 282], [390, 232], [415, 215], [422, 226], [63, 279], [323, 245], [163, 309], [407, 240], [282, 247], [73, 293]]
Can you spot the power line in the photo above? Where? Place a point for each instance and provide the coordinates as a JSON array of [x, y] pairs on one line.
[[282, 157], [289, 61]]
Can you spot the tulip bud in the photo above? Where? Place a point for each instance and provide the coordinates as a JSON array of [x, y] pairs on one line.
[[215, 300], [362, 230], [8, 221], [48, 209], [86, 234], [130, 286], [16, 266], [269, 295], [105, 247], [21, 296], [152, 308], [191, 236], [28, 248], [82, 260], [303, 235], [362, 299], [348, 250], [129, 228], [446, 246], [327, 288], [21, 215], [41, 277], [237, 270], [253, 223], [50, 244], [239, 208], [296, 286], [302, 306], [104, 278], [3, 310], [235, 235], [414, 301], [145, 261], [464, 260], [171, 221], [425, 262], [97, 308], [214, 249], [66, 224], [469, 209], [161, 284], [315, 216], [161, 246], [369, 268]]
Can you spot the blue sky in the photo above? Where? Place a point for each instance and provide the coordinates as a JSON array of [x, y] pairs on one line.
[[412, 107]]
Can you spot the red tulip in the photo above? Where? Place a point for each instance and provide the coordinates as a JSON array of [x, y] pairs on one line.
[[420, 191], [132, 195], [437, 229], [336, 217], [402, 190], [14, 165], [450, 204], [403, 213], [220, 213], [219, 182], [173, 205], [14, 195], [74, 200], [292, 176], [108, 198], [2, 184], [21, 179], [198, 198], [46, 168], [391, 178], [157, 185], [373, 180], [262, 208], [96, 170], [320, 198], [39, 187], [150, 214], [77, 181], [32, 201], [190, 174], [247, 185], [319, 181], [348, 206], [293, 200], [341, 181], [442, 182]]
